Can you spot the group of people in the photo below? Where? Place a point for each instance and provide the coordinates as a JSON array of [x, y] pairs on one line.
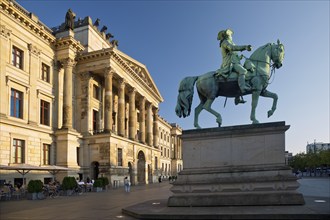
[[7, 189], [88, 186]]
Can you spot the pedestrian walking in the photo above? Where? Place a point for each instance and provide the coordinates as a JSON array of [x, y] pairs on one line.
[[127, 184]]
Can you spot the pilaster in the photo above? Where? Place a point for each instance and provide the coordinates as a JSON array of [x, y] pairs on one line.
[[5, 50], [34, 69], [85, 102]]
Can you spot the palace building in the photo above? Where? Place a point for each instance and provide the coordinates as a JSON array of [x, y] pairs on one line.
[[69, 97]]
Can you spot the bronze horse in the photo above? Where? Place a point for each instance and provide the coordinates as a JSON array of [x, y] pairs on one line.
[[209, 86]]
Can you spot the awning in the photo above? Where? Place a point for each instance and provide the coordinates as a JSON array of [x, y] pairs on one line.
[[23, 169]]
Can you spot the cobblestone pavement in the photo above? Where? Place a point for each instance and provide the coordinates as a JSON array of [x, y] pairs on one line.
[[109, 204], [90, 205]]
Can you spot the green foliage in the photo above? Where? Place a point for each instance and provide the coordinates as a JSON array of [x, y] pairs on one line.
[[311, 160], [34, 186], [69, 183], [98, 183], [325, 157], [105, 181]]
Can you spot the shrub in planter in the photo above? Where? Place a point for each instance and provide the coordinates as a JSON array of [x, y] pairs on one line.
[[68, 184], [34, 189], [98, 185], [105, 181], [34, 186]]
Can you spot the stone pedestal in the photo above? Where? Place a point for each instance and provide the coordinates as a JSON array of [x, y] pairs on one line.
[[66, 149], [237, 165]]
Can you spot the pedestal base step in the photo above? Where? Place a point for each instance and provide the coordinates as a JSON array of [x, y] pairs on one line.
[[236, 199]]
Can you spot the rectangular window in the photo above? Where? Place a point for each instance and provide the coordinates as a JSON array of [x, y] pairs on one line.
[[120, 157], [16, 103], [46, 154], [44, 112], [78, 156], [18, 151], [17, 58], [96, 92], [45, 73], [156, 163], [95, 118]]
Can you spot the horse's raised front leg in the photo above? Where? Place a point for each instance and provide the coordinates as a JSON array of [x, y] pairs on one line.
[[255, 99], [274, 97], [198, 110], [207, 107]]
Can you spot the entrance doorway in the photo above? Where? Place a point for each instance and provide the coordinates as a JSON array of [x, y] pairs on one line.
[[95, 170], [149, 174], [141, 168], [130, 173]]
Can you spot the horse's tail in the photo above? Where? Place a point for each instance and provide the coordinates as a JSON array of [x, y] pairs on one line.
[[185, 96]]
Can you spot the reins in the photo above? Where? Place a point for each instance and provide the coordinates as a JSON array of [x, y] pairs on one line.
[[271, 65]]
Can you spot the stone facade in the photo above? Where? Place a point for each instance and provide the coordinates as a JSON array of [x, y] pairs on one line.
[[72, 98]]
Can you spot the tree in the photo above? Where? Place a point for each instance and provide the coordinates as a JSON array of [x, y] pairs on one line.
[[311, 161]]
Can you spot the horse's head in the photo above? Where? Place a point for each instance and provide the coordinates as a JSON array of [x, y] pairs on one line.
[[277, 54]]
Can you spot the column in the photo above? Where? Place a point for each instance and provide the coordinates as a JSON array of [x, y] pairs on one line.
[[67, 96], [176, 147], [58, 68], [132, 114], [142, 120], [121, 108], [149, 124], [156, 128], [108, 74]]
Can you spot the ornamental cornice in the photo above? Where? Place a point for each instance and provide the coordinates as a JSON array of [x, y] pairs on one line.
[[142, 80], [28, 20], [34, 49], [5, 32], [69, 41], [94, 54]]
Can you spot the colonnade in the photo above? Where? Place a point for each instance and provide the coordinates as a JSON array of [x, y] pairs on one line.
[[148, 113]]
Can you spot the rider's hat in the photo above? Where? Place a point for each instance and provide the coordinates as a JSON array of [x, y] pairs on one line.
[[222, 34]]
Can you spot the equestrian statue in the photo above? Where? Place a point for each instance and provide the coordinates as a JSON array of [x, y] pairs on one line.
[[233, 79]]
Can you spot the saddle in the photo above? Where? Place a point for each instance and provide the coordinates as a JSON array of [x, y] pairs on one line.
[[223, 74]]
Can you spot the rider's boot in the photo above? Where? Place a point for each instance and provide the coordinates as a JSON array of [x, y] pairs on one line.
[[241, 83], [239, 100]]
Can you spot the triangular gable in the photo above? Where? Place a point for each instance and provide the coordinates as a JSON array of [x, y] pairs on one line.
[[141, 70]]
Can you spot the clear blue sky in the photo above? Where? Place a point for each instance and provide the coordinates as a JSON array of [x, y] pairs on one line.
[[175, 39]]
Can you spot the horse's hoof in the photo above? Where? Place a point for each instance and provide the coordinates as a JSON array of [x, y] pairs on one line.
[[197, 127], [270, 113], [255, 122]]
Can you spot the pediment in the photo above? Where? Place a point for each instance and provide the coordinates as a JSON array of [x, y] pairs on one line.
[[140, 71]]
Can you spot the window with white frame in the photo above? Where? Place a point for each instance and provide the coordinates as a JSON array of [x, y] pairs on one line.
[[44, 112], [46, 154], [16, 103], [120, 157], [18, 152], [17, 57], [45, 72]]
